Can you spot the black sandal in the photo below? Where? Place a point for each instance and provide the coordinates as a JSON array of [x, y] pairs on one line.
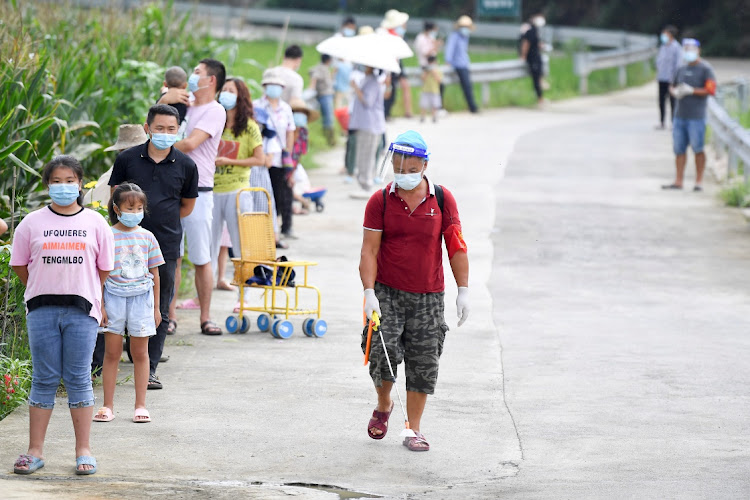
[[210, 328], [172, 327], [671, 186], [153, 382]]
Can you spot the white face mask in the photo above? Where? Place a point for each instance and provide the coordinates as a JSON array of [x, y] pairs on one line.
[[539, 22], [408, 181]]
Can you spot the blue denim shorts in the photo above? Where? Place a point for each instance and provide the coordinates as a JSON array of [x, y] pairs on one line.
[[686, 132], [134, 313], [62, 341]]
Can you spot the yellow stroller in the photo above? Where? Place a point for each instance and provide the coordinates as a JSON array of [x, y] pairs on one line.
[[258, 260]]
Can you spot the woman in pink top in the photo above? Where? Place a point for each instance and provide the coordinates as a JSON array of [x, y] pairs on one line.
[[63, 253]]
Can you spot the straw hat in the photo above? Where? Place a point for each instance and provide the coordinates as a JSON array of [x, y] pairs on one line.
[[300, 106], [129, 135], [465, 22], [365, 30], [393, 19], [272, 77]]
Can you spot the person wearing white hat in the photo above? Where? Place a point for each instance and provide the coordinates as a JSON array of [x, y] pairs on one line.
[[394, 23], [457, 55], [278, 148]]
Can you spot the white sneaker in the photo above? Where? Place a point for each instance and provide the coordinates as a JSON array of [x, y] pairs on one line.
[[360, 195]]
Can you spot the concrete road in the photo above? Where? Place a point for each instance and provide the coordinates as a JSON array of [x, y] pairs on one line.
[[604, 357]]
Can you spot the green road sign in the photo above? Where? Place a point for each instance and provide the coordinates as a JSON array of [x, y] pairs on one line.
[[499, 8]]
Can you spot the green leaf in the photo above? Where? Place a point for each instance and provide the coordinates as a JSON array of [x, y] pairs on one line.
[[23, 166], [12, 148]]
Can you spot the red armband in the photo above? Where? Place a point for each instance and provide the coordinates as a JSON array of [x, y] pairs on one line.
[[711, 87], [454, 240]]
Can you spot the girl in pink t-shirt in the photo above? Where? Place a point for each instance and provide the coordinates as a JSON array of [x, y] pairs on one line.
[[62, 253], [131, 298]]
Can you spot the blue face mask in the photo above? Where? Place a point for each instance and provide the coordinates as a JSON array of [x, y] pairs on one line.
[[273, 91], [664, 38], [690, 56], [348, 32], [193, 82], [163, 141], [64, 194], [408, 181], [130, 219], [465, 31], [400, 30], [300, 119], [228, 100]]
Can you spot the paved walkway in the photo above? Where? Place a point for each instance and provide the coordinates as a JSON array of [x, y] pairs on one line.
[[612, 314]]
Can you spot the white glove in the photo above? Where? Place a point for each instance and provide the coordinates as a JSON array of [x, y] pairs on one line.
[[683, 90], [372, 304], [462, 304]]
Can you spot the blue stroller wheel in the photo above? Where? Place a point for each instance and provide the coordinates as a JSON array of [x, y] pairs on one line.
[[264, 322], [319, 327], [275, 328], [231, 324], [245, 324], [284, 328], [307, 327]]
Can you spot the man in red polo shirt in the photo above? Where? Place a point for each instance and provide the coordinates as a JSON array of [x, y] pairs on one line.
[[401, 268]]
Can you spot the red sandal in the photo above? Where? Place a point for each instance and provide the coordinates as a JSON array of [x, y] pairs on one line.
[[379, 420]]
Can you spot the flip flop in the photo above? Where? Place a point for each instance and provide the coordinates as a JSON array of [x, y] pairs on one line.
[[33, 463], [172, 327], [379, 420], [671, 186], [141, 412], [104, 415], [153, 382], [210, 328], [417, 443], [85, 460], [189, 304]]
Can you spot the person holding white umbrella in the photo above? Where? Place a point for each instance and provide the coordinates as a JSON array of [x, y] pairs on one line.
[[368, 119], [394, 23]]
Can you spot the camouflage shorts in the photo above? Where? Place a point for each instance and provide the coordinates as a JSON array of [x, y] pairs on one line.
[[413, 327]]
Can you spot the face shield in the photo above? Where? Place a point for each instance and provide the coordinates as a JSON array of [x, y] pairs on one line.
[[405, 164]]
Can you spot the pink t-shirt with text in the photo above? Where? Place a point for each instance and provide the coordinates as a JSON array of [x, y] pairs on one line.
[[64, 254], [210, 118]]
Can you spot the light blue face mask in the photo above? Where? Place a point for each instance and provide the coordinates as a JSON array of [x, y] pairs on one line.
[[228, 100], [130, 219], [193, 83], [664, 38], [163, 141], [400, 30], [408, 181], [64, 194], [690, 56], [465, 31], [348, 32], [273, 91], [300, 119]]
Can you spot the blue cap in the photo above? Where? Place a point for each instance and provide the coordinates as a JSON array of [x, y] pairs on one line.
[[414, 141], [690, 41]]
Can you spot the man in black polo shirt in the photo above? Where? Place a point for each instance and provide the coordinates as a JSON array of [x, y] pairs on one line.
[[170, 180]]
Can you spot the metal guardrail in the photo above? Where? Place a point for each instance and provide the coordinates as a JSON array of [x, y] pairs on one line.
[[482, 73], [728, 135], [586, 62], [627, 47]]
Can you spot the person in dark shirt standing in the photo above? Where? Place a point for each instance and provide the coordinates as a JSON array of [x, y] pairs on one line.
[[531, 52], [170, 180], [692, 85]]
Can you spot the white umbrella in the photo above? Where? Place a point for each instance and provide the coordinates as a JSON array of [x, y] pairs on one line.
[[391, 43], [361, 50]]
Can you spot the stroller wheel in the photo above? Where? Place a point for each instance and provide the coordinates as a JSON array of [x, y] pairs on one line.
[[264, 322], [244, 324], [232, 324], [319, 206], [319, 327], [307, 327], [282, 329]]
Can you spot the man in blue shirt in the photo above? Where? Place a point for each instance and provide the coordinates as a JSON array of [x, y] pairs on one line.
[[457, 55]]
